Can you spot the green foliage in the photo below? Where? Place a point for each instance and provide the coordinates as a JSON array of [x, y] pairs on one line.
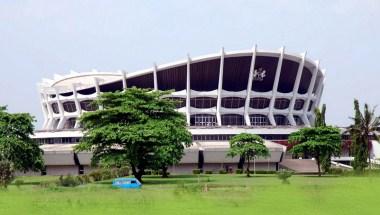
[[68, 181], [284, 175], [138, 126], [208, 172], [320, 116], [317, 142], [197, 171], [222, 171], [96, 175], [363, 128], [16, 146], [239, 171], [249, 146], [6, 173], [19, 182]]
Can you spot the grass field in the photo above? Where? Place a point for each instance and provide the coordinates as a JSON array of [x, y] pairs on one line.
[[227, 194]]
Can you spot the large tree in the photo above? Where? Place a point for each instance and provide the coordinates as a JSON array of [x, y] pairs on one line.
[[318, 142], [249, 147], [17, 149], [362, 130], [135, 125]]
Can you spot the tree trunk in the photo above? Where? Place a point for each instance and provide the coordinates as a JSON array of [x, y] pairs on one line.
[[319, 165], [165, 172], [369, 152], [248, 162], [137, 173]]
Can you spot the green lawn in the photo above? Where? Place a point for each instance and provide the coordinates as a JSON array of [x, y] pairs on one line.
[[227, 194]]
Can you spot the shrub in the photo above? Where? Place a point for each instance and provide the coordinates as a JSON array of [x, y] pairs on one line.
[[96, 175], [19, 182], [197, 171], [284, 175], [222, 171], [86, 179], [123, 171], [208, 172], [148, 172], [6, 173], [239, 171], [68, 181], [106, 174]]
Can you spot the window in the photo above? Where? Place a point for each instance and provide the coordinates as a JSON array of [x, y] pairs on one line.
[[203, 102], [55, 108], [259, 103], [281, 120], [281, 103], [69, 107], [298, 120], [203, 120], [233, 102], [69, 124], [259, 120], [88, 105], [298, 105], [232, 119], [179, 102], [310, 106]]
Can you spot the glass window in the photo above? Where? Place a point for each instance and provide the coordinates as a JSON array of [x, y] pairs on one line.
[[233, 102], [298, 105], [55, 108], [232, 119], [203, 120], [203, 102], [281, 120], [281, 103], [259, 103], [69, 107], [88, 105], [259, 120]]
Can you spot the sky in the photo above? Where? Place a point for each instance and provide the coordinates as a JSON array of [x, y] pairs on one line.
[[41, 38]]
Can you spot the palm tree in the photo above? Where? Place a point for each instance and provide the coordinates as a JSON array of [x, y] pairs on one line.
[[364, 127]]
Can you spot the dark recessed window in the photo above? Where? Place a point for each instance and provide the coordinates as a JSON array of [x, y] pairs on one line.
[[232, 119], [259, 120], [203, 102], [203, 120], [298, 105], [69, 107], [281, 103], [88, 105], [233, 102], [259, 103], [55, 108], [281, 120]]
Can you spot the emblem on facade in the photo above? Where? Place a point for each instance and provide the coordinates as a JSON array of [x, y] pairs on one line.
[[259, 74]]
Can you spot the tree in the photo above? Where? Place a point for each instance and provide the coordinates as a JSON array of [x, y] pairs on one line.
[[17, 150], [317, 142], [320, 121], [249, 146], [361, 131], [136, 125]]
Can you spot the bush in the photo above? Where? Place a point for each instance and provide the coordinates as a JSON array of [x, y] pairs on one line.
[[68, 181], [261, 172], [208, 172], [284, 175], [123, 171], [106, 174], [148, 172], [96, 175], [19, 182], [239, 171], [6, 173], [222, 171], [197, 171], [86, 179]]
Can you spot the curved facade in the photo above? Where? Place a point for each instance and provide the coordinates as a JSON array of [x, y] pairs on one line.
[[249, 88]]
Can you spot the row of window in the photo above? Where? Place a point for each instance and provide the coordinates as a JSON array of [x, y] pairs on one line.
[[60, 140], [236, 102], [70, 106], [206, 120], [200, 102], [226, 137]]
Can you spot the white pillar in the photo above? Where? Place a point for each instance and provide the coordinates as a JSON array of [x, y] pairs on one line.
[[124, 78], [220, 87], [97, 88], [62, 119], [77, 105], [50, 122], [295, 89], [320, 89], [188, 90], [44, 105], [155, 76], [249, 87], [309, 93], [275, 86]]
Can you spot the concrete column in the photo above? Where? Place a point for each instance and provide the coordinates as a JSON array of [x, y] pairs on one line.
[[249, 87], [220, 88]]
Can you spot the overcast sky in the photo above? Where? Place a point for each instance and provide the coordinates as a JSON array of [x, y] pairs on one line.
[[41, 38]]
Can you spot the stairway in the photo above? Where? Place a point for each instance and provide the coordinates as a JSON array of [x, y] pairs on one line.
[[302, 166]]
